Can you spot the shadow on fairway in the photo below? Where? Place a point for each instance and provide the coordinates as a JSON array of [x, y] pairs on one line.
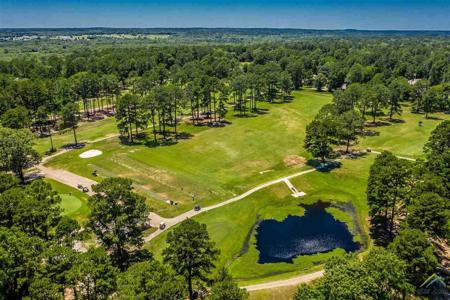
[[434, 118], [148, 140], [73, 146], [368, 132], [324, 166], [396, 121], [377, 124]]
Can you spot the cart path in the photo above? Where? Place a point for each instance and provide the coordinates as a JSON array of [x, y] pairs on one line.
[[286, 282], [67, 178], [401, 157], [155, 219]]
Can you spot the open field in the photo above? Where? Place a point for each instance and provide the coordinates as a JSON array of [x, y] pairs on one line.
[[87, 131], [214, 164], [405, 137], [232, 226], [282, 293], [217, 164]]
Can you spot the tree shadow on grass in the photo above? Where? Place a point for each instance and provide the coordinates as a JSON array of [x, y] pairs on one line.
[[324, 166], [368, 132], [261, 111], [378, 123], [71, 146], [148, 140], [434, 118], [396, 121], [251, 113], [287, 99]]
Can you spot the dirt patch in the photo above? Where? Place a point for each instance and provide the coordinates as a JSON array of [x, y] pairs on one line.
[[294, 160]]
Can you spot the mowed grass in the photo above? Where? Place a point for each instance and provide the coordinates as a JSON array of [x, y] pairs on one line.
[[406, 137], [86, 132], [73, 201], [281, 293], [215, 163], [218, 163], [232, 227]]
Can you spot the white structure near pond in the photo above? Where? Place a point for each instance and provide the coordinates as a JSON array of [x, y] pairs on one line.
[[295, 192]]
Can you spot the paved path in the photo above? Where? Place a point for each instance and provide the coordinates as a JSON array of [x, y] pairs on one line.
[[287, 282], [401, 157], [155, 219], [68, 178]]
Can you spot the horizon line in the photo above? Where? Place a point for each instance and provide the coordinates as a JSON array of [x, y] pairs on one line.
[[226, 27]]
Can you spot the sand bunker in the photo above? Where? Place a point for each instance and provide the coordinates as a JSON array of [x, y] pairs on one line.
[[90, 153]]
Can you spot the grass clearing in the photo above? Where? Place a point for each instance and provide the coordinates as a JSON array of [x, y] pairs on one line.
[[214, 164], [73, 201], [406, 137], [232, 226], [281, 293], [86, 131]]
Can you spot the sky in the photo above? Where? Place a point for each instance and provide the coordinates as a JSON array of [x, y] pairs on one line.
[[316, 14]]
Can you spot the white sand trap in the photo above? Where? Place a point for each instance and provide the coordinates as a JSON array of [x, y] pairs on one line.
[[90, 153]]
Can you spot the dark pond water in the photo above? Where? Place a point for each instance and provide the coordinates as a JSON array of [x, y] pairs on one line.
[[315, 232]]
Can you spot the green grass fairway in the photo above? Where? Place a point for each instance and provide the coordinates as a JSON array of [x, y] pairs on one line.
[[73, 201], [70, 203], [215, 164], [218, 163], [281, 293], [232, 226], [87, 131], [405, 138]]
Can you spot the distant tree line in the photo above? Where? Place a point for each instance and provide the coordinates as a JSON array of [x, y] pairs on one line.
[[201, 80]]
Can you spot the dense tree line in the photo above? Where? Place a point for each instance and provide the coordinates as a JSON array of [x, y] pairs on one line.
[[410, 205], [413, 194], [198, 81], [379, 275], [41, 258]]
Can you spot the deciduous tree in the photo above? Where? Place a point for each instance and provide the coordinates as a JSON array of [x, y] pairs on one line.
[[16, 151]]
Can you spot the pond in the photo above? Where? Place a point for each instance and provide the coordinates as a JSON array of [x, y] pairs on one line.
[[315, 232]]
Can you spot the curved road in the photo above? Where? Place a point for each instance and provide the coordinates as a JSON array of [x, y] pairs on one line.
[[287, 282]]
